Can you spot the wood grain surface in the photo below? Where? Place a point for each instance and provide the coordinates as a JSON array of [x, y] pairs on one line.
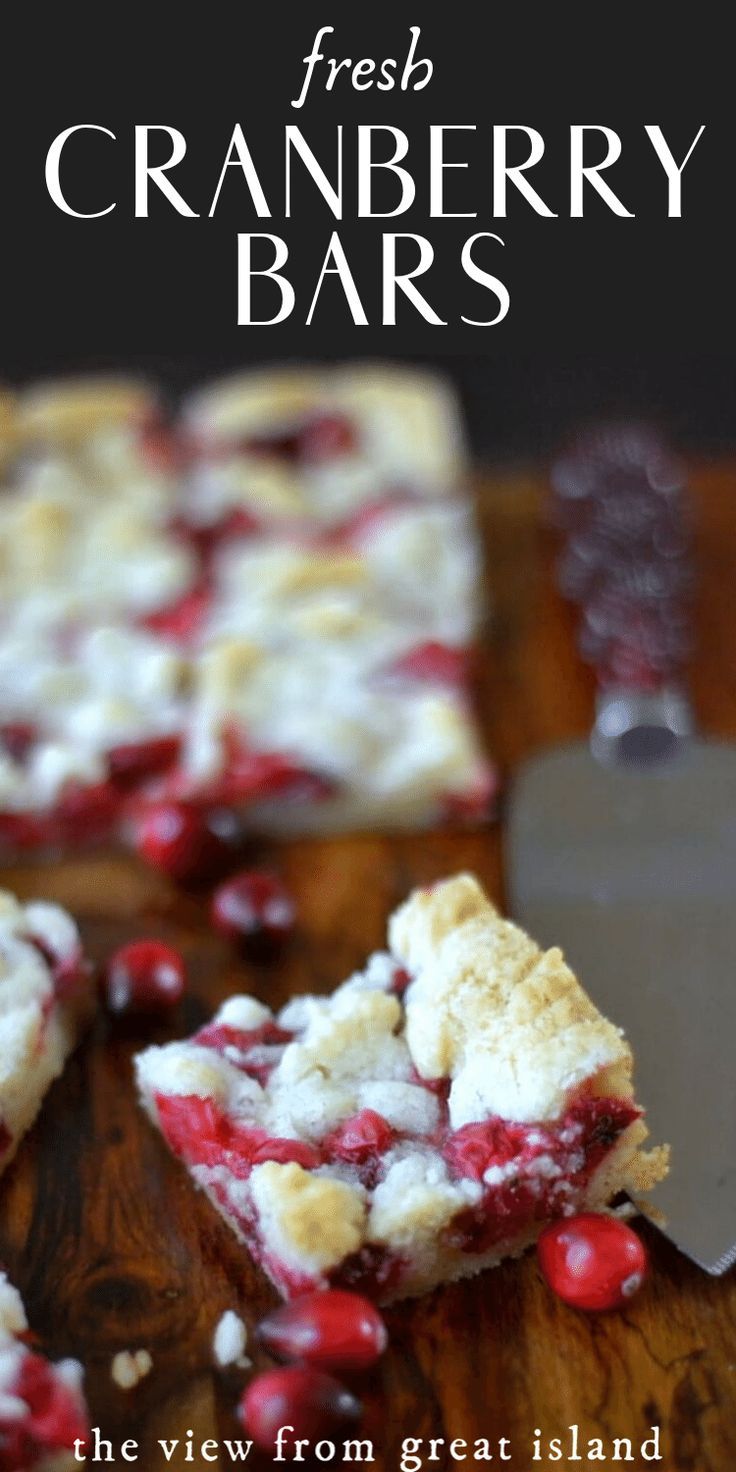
[[114, 1249]]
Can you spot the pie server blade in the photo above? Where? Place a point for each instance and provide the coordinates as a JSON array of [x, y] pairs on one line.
[[633, 874], [622, 850]]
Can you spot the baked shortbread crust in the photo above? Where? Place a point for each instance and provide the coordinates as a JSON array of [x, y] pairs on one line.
[[418, 1125]]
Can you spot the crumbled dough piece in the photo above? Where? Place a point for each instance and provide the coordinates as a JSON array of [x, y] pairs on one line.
[[129, 1367], [229, 1341]]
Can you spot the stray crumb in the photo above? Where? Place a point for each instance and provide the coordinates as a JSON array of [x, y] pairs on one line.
[[128, 1367], [229, 1341], [625, 1211]]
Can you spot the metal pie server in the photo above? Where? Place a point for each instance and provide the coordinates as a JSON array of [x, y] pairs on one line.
[[622, 850]]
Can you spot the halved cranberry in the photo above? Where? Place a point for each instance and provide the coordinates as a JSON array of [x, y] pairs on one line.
[[285, 1151], [334, 1330], [592, 1261], [440, 663], [475, 1148], [200, 1132], [298, 1400], [359, 1138], [144, 976], [183, 841], [254, 1051], [325, 437], [133, 761], [254, 909]]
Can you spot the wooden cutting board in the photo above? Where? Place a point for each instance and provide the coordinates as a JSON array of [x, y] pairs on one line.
[[113, 1249]]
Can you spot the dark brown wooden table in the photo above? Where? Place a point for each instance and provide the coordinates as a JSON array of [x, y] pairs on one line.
[[113, 1248]]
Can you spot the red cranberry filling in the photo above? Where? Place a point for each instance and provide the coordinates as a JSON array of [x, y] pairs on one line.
[[374, 1270], [54, 1421], [248, 1051], [400, 981], [17, 738], [134, 761], [202, 1134], [361, 1141], [439, 663], [68, 972], [182, 620], [322, 438], [530, 1171]]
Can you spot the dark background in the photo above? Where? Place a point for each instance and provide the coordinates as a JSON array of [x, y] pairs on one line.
[[607, 316]]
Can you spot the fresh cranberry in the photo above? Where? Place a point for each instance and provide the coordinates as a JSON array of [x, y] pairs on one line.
[[144, 976], [134, 761], [592, 1261], [359, 1138], [334, 1330], [182, 840], [309, 1404], [326, 437], [254, 909]]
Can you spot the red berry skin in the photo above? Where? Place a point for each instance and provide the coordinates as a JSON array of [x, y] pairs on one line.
[[144, 976], [592, 1261], [253, 909], [333, 1330], [180, 840], [299, 1397]]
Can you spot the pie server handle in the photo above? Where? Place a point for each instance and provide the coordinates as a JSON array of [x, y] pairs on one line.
[[620, 502]]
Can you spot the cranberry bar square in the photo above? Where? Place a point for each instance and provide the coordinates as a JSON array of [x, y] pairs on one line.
[[45, 999], [172, 597], [420, 1124]]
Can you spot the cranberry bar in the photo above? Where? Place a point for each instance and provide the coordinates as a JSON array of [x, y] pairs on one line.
[[42, 1409], [420, 1124], [45, 999], [171, 600]]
